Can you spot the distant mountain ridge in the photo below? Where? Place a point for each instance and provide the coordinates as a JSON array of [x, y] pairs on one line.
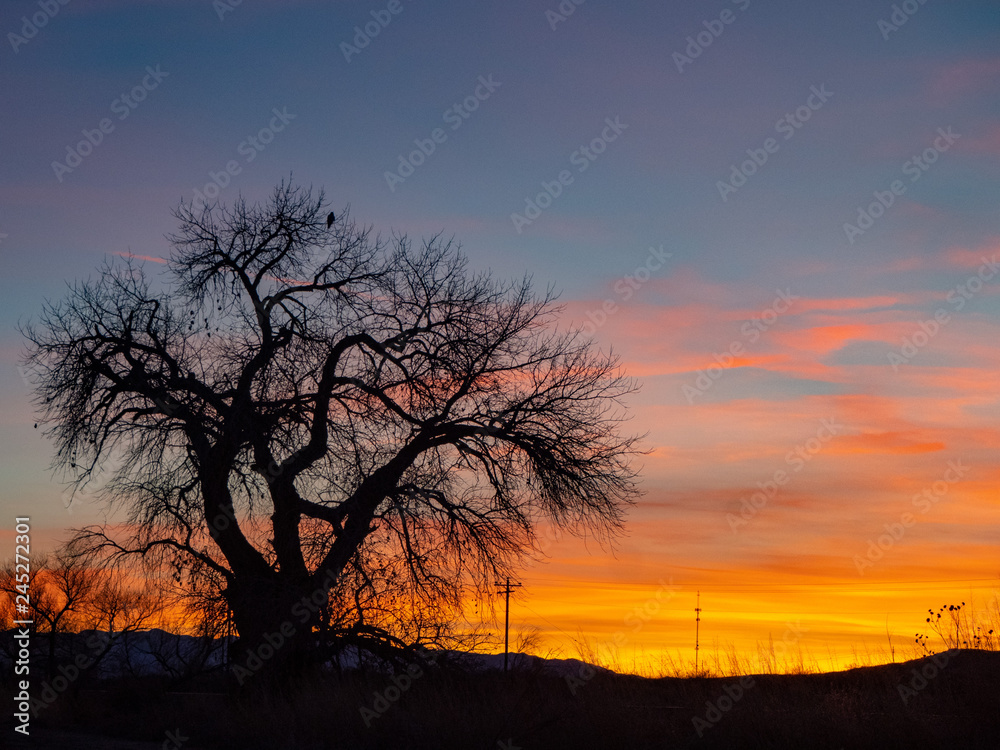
[[156, 652]]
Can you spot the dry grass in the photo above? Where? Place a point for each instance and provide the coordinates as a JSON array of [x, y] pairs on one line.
[[791, 701]]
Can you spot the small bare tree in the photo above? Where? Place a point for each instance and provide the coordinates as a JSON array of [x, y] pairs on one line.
[[121, 609], [61, 588], [298, 406]]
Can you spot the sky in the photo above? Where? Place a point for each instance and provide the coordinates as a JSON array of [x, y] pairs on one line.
[[784, 217]]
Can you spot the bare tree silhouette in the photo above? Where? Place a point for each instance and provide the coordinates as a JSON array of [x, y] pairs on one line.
[[297, 409], [61, 590], [68, 596]]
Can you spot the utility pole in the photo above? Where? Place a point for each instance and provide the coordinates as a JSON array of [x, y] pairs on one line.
[[697, 623], [228, 637], [506, 621]]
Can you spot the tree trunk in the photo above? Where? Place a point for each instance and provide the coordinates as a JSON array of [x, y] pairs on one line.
[[274, 616]]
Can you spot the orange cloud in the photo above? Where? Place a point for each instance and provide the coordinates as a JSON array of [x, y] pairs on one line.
[[882, 442], [822, 339]]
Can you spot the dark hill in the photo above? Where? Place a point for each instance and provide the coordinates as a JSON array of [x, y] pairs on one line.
[[951, 700]]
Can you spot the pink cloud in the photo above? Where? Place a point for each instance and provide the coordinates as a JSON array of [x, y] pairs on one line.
[[968, 76], [955, 257], [985, 142], [150, 258]]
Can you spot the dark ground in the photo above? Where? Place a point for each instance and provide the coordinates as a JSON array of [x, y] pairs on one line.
[[952, 701]]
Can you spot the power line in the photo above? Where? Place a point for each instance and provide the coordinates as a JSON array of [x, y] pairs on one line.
[[542, 617], [740, 587]]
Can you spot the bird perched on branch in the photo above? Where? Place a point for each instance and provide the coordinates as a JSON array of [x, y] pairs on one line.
[[330, 218]]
